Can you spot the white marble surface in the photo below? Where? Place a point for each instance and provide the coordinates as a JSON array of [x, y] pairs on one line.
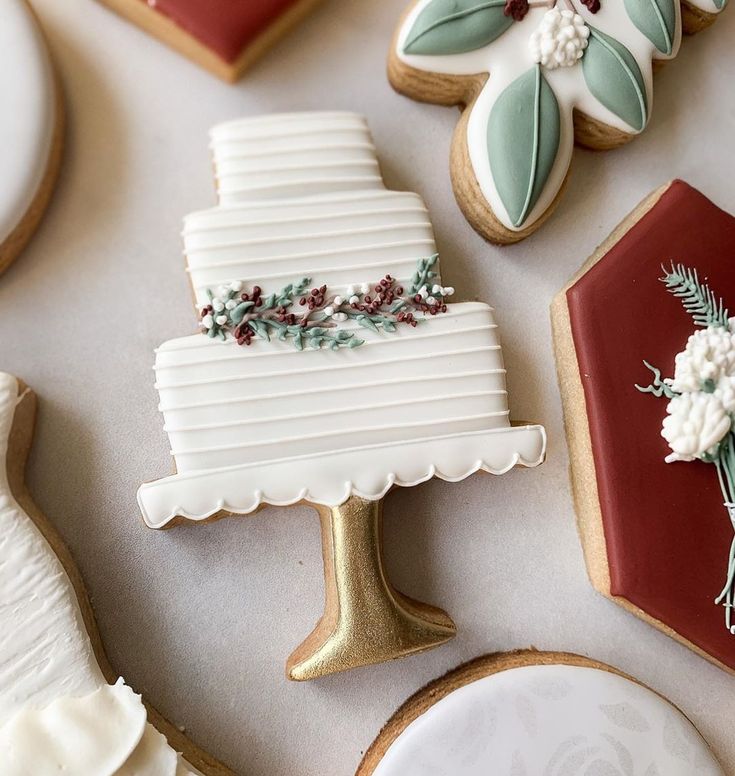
[[201, 618]]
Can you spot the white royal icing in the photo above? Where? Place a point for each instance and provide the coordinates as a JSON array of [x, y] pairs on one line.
[[267, 423], [553, 720], [57, 713], [28, 117], [510, 56]]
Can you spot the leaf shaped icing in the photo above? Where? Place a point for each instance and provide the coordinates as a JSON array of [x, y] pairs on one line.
[[656, 19], [615, 79], [457, 26], [626, 716], [523, 135]]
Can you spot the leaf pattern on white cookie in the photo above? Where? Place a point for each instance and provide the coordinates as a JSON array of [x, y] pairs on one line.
[[626, 716]]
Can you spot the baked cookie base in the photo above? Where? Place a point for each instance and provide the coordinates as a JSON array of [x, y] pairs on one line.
[[462, 91], [481, 667], [24, 230], [582, 463], [19, 446], [167, 31]]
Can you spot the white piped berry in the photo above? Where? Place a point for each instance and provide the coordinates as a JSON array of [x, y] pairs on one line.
[[221, 320], [207, 322], [560, 39]]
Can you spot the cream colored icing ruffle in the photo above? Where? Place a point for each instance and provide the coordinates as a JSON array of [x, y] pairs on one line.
[[105, 733]]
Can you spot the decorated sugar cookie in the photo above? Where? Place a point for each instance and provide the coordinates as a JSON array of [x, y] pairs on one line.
[[61, 708], [223, 36], [31, 128], [559, 70], [533, 713], [647, 317], [330, 367]]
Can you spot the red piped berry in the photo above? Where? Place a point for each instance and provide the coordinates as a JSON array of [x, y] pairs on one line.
[[517, 9]]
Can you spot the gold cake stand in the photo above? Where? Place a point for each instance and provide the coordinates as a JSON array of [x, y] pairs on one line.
[[366, 620]]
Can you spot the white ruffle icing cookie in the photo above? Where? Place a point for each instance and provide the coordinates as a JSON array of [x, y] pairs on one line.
[[58, 713], [533, 713], [31, 127]]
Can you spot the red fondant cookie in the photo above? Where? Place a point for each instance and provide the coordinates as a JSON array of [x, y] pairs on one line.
[[224, 36], [656, 533]]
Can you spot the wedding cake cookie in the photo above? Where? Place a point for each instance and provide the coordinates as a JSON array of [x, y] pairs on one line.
[[331, 366]]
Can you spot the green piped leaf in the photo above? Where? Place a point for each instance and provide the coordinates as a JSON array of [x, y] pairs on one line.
[[656, 19], [614, 78], [457, 26], [523, 135]]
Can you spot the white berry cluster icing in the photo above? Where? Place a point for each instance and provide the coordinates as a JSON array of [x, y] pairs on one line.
[[57, 712], [387, 384], [555, 720], [560, 39], [546, 59], [700, 415]]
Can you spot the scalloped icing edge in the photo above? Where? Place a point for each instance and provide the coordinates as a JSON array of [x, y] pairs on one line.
[[164, 500]]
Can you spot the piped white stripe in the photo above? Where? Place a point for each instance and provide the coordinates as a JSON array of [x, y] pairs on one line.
[[344, 432], [329, 412]]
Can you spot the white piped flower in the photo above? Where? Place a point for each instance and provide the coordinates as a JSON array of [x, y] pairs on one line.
[[329, 311], [447, 290], [436, 290], [423, 293], [207, 322], [236, 285], [354, 299], [707, 360], [364, 288], [338, 301], [351, 290], [560, 39], [218, 305], [694, 425], [221, 320], [430, 300], [340, 317], [231, 304]]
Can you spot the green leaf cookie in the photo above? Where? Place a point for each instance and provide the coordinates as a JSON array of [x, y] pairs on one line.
[[656, 19], [614, 78], [523, 131], [457, 26]]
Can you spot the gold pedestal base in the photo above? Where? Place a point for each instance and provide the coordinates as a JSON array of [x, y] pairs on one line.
[[365, 619]]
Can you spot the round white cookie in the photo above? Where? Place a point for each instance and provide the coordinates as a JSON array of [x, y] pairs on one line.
[[30, 127], [571, 718]]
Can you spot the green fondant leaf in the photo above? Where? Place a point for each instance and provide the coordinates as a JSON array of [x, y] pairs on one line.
[[457, 26], [614, 78], [523, 135], [656, 19]]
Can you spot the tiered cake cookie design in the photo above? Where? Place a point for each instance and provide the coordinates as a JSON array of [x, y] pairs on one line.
[[534, 77], [58, 713], [330, 391]]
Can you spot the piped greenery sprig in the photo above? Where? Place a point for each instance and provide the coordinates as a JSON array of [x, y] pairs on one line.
[[315, 317], [698, 298], [700, 415]]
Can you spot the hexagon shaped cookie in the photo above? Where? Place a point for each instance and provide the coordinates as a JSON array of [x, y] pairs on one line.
[[656, 535]]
